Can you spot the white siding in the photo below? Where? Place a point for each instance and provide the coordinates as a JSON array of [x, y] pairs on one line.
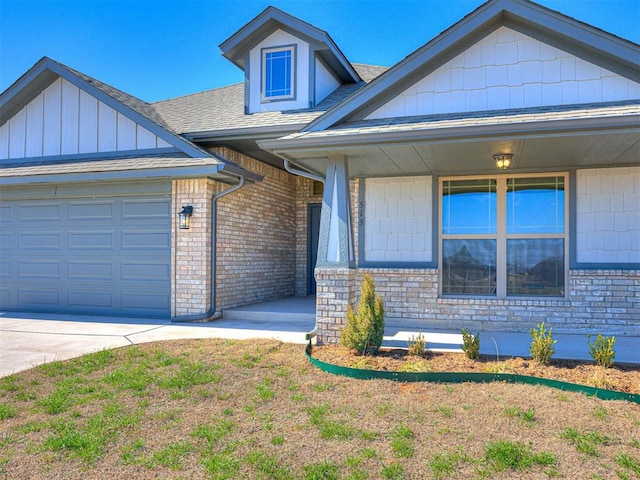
[[397, 219], [65, 120], [505, 70], [325, 82], [279, 38], [608, 215]]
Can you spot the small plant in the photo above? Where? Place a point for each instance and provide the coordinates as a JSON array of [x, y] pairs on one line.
[[365, 328], [417, 345], [470, 344], [601, 350], [542, 344]]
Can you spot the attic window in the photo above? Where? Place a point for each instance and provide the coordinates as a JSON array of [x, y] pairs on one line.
[[278, 73]]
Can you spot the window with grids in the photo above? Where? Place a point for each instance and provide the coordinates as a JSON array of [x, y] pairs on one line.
[[503, 236], [278, 73]]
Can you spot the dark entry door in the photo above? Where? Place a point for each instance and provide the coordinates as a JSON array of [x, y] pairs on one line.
[[313, 233]]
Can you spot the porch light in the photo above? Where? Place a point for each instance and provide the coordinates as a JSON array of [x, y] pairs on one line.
[[503, 160], [185, 217]]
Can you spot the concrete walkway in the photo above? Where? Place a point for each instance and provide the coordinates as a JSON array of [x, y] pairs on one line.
[[27, 340]]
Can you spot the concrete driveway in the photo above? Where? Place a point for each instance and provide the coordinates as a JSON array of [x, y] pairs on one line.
[[27, 340]]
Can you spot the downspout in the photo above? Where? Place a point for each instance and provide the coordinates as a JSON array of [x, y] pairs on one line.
[[212, 314]]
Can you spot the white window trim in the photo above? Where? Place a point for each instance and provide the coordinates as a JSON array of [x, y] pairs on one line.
[[263, 73], [501, 236]]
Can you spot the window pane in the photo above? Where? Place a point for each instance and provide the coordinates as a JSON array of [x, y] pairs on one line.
[[535, 205], [469, 207], [535, 266], [278, 73], [469, 267]]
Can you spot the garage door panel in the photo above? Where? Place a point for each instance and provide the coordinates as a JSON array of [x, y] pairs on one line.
[[49, 269], [47, 212], [91, 211], [87, 270], [85, 240], [109, 255], [38, 297], [39, 240], [148, 210], [145, 271], [88, 298], [145, 240]]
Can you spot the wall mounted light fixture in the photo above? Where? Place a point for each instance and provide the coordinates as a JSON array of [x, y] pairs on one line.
[[503, 160], [185, 217]]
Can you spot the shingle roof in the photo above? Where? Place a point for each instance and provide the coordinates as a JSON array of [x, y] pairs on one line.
[[223, 108], [96, 166], [462, 120]]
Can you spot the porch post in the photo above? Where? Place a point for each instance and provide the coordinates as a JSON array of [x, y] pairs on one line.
[[335, 267]]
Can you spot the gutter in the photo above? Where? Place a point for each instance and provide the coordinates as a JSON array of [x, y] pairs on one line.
[[289, 167], [212, 314]]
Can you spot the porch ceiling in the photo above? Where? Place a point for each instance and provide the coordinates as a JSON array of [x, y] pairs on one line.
[[475, 156], [551, 140]]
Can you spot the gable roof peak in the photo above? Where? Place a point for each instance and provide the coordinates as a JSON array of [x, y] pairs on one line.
[[581, 39], [271, 19]]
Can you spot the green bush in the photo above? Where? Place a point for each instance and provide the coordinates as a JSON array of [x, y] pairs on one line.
[[417, 345], [542, 343], [601, 350], [470, 343], [365, 328]]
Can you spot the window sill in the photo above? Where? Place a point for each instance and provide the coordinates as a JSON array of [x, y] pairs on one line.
[[518, 302]]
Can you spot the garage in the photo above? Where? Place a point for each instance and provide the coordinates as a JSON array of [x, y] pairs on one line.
[[98, 249]]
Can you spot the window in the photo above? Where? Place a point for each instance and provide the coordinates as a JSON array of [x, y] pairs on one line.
[[503, 236], [278, 70]]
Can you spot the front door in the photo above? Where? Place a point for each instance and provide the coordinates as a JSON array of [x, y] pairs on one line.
[[313, 233]]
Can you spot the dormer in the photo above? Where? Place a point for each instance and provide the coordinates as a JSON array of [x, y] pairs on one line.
[[288, 64]]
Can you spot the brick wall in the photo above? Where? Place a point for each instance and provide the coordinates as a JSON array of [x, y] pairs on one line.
[[191, 252], [605, 301], [256, 237]]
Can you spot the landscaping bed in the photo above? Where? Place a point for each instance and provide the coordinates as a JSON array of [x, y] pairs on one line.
[[623, 378]]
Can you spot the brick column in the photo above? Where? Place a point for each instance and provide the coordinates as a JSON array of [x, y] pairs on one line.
[[191, 283], [336, 289]]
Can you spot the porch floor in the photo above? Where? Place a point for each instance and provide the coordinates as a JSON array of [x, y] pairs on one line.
[[298, 314]]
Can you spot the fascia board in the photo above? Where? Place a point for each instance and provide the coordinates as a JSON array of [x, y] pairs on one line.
[[244, 133], [483, 20], [628, 124], [18, 94], [157, 173]]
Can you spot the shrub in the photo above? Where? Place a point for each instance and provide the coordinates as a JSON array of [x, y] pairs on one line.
[[365, 328], [417, 345], [542, 344], [601, 350], [470, 343]]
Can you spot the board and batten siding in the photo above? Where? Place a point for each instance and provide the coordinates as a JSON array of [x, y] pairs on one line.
[[608, 215], [398, 219], [507, 70], [65, 120]]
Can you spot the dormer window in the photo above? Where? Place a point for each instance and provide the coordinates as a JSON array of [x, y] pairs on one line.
[[278, 73]]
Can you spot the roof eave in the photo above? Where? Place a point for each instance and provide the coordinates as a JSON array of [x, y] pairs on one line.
[[284, 146]]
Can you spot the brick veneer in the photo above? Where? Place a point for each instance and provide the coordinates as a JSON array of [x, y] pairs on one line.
[[256, 239], [304, 196], [191, 252], [606, 301]]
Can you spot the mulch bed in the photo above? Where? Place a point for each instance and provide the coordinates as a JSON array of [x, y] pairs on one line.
[[623, 378]]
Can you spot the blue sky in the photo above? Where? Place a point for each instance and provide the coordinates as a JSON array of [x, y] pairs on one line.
[[163, 49]]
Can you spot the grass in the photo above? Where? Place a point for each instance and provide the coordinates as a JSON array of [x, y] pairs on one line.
[[215, 409]]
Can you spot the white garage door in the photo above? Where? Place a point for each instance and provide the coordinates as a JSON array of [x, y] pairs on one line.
[[104, 255]]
